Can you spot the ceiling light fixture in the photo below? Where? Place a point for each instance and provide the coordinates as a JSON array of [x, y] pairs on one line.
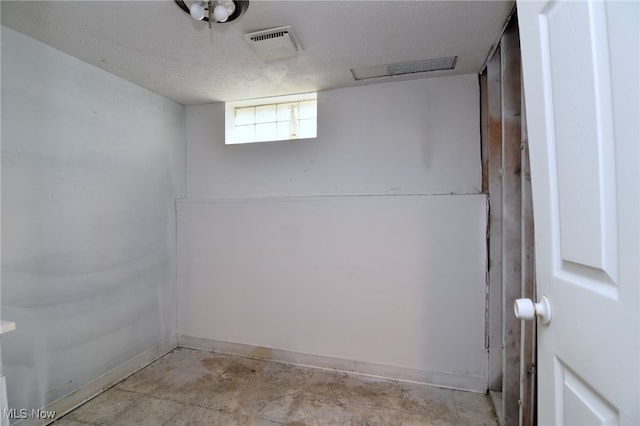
[[217, 11]]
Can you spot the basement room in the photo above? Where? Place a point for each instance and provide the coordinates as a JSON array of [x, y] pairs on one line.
[[302, 212]]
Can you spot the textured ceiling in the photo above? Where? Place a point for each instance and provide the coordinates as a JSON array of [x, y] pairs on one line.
[[156, 45]]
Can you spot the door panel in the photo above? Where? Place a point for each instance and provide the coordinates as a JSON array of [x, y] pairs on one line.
[[578, 102], [580, 73], [580, 403]]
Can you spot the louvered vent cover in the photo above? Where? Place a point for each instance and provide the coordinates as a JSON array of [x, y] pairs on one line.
[[403, 68], [275, 43]]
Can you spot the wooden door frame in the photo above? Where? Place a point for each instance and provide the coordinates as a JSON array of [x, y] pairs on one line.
[[506, 178]]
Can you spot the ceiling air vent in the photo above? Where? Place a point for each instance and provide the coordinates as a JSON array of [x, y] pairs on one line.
[[403, 68], [276, 43]]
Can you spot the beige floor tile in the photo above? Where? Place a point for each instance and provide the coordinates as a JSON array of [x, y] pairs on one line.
[[474, 409], [148, 411], [366, 415], [191, 415], [65, 421], [416, 419], [285, 375], [224, 395], [278, 406], [104, 408], [178, 370], [188, 387], [271, 393], [225, 384], [428, 401], [469, 403], [318, 410], [352, 390], [477, 421], [260, 422]]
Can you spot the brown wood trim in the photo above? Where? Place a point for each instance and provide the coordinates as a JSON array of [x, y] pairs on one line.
[[484, 131], [511, 275], [494, 174], [528, 355], [511, 221]]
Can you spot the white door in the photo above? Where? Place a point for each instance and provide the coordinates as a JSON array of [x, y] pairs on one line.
[[582, 96]]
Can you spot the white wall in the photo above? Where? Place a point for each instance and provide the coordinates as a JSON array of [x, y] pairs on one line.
[[337, 247], [91, 166], [412, 137]]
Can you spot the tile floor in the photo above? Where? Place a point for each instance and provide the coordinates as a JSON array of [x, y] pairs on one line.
[[190, 387]]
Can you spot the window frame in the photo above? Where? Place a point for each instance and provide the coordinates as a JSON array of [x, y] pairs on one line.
[[230, 114]]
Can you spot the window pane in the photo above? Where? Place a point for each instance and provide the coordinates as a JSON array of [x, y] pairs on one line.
[[243, 134], [307, 128], [287, 117], [266, 132], [266, 114], [283, 112], [245, 116], [294, 112], [308, 109], [283, 130]]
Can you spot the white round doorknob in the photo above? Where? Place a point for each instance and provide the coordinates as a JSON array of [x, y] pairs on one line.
[[527, 310], [524, 309]]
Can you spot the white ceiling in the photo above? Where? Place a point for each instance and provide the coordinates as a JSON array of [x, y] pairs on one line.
[[156, 45]]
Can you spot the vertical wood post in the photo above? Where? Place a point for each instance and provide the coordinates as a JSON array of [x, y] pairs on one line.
[[494, 142], [510, 231], [528, 358], [484, 136], [511, 221]]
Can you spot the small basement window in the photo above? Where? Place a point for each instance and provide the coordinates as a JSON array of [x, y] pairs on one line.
[[272, 119]]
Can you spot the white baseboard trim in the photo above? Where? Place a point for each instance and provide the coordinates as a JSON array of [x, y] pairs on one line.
[[78, 397], [404, 374]]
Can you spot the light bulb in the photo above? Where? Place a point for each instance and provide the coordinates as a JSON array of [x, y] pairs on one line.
[[197, 10], [221, 13]]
